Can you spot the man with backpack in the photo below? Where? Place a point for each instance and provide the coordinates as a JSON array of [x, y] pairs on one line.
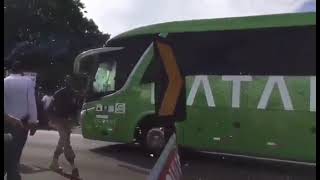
[[60, 117]]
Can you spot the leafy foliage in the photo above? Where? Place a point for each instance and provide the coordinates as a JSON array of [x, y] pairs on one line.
[[57, 27]]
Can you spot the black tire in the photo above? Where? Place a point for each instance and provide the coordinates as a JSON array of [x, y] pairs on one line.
[[155, 139]]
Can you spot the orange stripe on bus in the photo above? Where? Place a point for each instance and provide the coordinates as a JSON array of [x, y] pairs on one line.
[[175, 84]]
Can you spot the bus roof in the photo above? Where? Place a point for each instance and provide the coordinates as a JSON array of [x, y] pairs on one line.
[[233, 23]]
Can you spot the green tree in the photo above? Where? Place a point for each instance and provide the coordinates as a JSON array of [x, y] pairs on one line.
[[58, 26]]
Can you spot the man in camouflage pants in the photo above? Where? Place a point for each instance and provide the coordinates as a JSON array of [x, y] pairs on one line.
[[60, 118]]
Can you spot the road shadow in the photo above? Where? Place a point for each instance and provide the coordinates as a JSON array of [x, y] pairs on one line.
[[68, 175], [27, 169], [128, 153], [197, 165]]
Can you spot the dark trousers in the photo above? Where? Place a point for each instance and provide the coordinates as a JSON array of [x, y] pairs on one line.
[[6, 155], [14, 148]]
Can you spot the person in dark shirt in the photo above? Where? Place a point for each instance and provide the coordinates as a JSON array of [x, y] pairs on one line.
[[60, 118]]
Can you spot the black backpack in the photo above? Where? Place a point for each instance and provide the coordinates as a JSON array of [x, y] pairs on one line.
[[63, 104]]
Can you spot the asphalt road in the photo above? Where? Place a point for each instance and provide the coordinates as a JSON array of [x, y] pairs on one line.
[[202, 166], [95, 159], [103, 160]]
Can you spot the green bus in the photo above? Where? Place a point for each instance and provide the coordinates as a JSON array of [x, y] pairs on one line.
[[249, 87]]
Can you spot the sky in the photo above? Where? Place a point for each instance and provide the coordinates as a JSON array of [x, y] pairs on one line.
[[117, 16]]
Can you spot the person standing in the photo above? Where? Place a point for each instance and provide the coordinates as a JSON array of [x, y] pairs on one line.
[[20, 102], [60, 118]]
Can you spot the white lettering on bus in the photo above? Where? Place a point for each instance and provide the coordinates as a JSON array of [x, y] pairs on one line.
[[236, 91], [313, 94], [285, 97], [236, 86], [207, 90]]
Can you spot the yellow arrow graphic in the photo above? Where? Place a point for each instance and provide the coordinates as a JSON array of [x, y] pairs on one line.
[[175, 84]]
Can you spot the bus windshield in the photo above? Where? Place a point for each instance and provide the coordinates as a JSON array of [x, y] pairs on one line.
[[101, 70], [106, 69], [104, 80]]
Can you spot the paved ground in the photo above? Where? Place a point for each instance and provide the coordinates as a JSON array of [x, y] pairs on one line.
[[96, 160], [103, 160], [202, 166]]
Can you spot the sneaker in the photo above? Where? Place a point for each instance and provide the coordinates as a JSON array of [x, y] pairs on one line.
[[75, 172], [55, 166]]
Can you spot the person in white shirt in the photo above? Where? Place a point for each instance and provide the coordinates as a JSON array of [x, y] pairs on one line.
[[20, 102]]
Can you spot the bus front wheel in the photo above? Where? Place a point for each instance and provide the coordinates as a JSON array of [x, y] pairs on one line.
[[156, 139]]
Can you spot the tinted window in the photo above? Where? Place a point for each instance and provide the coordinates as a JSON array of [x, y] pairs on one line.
[[270, 51]]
